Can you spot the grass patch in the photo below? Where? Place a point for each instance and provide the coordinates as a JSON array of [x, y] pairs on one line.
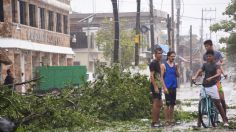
[[185, 116], [232, 125]]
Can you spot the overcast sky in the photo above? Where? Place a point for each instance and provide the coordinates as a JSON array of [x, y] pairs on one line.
[[189, 8]]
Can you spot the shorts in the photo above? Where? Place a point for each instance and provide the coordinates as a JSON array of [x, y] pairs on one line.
[[219, 86], [156, 95], [170, 97], [210, 91]]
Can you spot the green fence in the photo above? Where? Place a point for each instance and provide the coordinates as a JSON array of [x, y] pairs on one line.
[[60, 76]]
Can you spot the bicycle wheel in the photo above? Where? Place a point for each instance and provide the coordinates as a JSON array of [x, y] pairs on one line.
[[204, 113]]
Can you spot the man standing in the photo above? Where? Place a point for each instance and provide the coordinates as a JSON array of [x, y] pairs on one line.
[[156, 87], [9, 79], [218, 59], [170, 72]]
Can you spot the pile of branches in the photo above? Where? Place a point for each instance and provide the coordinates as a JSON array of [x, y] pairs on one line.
[[43, 112], [115, 95]]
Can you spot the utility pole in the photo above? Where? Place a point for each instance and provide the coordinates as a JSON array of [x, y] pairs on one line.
[[201, 39], [178, 6], [117, 32], [206, 19], [172, 25], [191, 49], [151, 26], [168, 30], [137, 37], [191, 53], [202, 28]]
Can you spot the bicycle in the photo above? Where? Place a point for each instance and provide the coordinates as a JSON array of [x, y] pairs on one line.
[[207, 110]]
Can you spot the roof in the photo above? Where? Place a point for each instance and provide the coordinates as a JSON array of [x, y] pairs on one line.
[[157, 13], [28, 45]]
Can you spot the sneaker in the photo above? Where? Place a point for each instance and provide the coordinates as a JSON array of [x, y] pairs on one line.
[[226, 125], [167, 123], [155, 125], [199, 125], [172, 123]]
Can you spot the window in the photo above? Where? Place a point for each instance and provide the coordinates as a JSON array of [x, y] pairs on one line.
[[42, 18], [32, 13], [65, 21], [23, 12], [58, 22], [50, 20], [1, 11], [14, 11]]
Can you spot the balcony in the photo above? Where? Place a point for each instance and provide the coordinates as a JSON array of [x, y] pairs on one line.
[[42, 36], [62, 4]]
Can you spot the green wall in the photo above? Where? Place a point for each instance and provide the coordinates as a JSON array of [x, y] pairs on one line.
[[60, 76]]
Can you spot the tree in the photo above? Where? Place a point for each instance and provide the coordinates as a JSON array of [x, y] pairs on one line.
[[228, 26], [105, 39]]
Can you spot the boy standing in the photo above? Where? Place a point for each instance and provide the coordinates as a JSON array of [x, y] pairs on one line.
[[212, 72]]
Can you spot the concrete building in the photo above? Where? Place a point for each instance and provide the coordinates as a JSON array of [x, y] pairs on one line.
[[34, 33], [84, 27]]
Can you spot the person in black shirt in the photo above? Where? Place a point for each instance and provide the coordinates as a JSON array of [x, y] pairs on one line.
[[156, 87], [9, 79], [212, 72], [218, 58]]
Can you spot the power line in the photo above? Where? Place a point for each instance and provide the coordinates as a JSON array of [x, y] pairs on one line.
[[214, 19]]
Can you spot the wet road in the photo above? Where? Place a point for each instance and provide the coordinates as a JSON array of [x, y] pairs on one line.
[[190, 96], [185, 92]]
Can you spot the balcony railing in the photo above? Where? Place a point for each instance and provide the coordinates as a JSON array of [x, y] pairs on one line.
[[42, 36]]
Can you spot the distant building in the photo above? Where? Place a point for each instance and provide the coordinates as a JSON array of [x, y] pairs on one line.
[[35, 33], [86, 25]]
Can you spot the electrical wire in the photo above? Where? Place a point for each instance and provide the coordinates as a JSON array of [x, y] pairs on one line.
[[213, 19]]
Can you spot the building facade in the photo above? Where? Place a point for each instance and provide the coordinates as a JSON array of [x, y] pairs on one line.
[[34, 33], [84, 27]]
